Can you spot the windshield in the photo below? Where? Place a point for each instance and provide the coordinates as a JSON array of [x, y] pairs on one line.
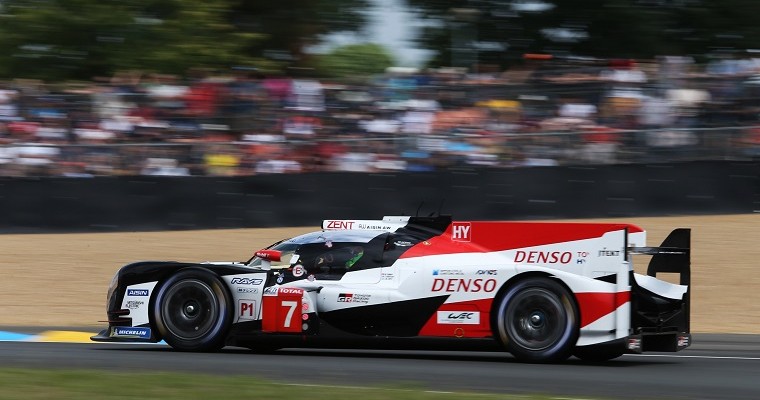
[[344, 247]]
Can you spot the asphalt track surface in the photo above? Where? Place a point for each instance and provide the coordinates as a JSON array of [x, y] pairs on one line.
[[715, 367]]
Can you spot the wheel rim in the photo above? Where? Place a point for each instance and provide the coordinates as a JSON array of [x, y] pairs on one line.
[[536, 319], [190, 310]]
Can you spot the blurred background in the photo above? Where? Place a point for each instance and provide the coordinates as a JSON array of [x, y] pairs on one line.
[[237, 88]]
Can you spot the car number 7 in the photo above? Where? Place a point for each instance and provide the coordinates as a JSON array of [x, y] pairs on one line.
[[291, 309]]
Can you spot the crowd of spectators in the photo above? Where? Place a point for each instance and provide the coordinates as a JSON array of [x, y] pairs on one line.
[[238, 122]]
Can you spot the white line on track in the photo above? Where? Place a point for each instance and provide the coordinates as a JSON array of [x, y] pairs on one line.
[[397, 390], [702, 357]]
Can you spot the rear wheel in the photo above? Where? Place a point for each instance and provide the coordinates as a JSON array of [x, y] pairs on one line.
[[193, 311], [537, 321]]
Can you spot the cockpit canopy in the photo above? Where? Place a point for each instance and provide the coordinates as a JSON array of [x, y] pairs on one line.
[[329, 252]]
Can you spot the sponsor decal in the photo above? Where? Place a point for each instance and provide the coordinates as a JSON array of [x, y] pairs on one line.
[[459, 317], [353, 298], [247, 309], [287, 290], [280, 279], [486, 272], [608, 253], [138, 292], [582, 255], [386, 276], [271, 291], [682, 341], [543, 257], [340, 225], [451, 285], [448, 272], [403, 243], [299, 270], [134, 304], [246, 281], [247, 290], [374, 227], [143, 333], [461, 231]]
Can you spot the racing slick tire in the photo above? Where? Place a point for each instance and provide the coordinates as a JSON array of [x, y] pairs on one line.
[[537, 321], [193, 311]]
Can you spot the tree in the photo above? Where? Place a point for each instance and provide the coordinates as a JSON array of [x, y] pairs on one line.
[[506, 29], [79, 39], [354, 60], [292, 25]]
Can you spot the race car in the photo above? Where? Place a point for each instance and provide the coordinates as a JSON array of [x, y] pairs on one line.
[[542, 291]]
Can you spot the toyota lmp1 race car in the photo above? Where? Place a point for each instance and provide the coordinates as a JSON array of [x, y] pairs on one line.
[[542, 291]]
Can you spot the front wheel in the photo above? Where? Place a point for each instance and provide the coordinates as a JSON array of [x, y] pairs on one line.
[[193, 311], [537, 321]]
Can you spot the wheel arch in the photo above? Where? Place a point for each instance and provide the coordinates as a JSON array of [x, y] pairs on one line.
[[176, 269], [518, 278], [493, 315], [573, 283]]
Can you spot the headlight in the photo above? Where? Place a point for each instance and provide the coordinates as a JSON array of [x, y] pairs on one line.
[[112, 289]]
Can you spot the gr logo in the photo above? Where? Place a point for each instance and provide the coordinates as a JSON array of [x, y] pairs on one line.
[[461, 231]]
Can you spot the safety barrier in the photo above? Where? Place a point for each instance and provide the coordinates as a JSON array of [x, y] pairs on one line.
[[174, 203]]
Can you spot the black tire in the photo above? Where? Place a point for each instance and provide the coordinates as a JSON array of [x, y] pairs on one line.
[[537, 321], [193, 311]]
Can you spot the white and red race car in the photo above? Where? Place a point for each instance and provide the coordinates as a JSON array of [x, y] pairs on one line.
[[541, 291]]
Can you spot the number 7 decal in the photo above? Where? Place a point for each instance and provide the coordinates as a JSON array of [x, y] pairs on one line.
[[280, 306], [291, 305]]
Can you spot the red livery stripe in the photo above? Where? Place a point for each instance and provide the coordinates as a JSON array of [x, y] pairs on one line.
[[482, 236], [482, 329], [596, 305]]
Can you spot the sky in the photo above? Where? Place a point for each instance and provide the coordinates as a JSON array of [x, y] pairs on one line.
[[394, 26], [391, 25]]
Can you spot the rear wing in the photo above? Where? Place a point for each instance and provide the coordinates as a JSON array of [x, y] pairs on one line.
[[653, 313], [672, 256]]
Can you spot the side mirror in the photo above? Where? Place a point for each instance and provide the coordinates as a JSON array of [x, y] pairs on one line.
[[267, 256]]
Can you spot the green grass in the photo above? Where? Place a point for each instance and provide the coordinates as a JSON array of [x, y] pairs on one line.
[[51, 384]]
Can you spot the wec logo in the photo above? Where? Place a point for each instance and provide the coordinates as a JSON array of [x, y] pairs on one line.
[[458, 317]]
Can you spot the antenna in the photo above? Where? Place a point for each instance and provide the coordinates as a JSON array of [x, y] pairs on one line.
[[440, 207], [418, 209]]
